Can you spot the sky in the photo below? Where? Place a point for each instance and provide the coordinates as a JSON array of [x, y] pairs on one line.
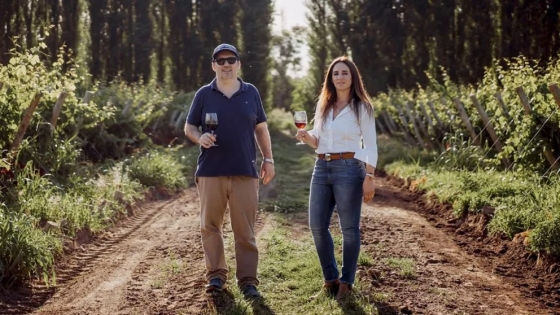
[[293, 14]]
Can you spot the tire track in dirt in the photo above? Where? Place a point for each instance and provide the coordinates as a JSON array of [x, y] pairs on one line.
[[441, 277], [94, 281], [153, 263], [34, 295]]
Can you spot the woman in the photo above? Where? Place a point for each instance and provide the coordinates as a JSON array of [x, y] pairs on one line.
[[344, 171]]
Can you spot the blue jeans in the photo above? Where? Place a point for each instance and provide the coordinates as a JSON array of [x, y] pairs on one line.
[[337, 182]]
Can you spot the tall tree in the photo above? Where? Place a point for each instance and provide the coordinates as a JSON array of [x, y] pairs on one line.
[[286, 49], [209, 36], [143, 40], [7, 12], [339, 27], [255, 25], [160, 41], [317, 38], [98, 29], [70, 25]]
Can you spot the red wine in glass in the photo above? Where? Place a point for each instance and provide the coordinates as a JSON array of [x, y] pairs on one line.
[[300, 120], [212, 127], [301, 125], [211, 122]]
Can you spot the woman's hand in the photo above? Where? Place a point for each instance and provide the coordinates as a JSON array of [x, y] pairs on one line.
[[303, 135], [368, 189]]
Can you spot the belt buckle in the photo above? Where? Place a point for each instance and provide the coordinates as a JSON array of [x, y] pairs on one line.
[[327, 157]]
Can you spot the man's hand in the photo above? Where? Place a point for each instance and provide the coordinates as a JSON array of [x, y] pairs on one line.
[[267, 172], [206, 140]]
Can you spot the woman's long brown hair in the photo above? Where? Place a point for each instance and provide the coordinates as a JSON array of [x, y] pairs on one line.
[[358, 94]]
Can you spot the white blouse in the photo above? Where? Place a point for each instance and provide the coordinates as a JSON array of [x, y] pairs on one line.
[[346, 134]]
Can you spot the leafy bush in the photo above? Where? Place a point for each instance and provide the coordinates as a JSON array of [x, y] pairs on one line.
[[546, 235], [84, 203], [158, 170], [280, 119], [460, 154], [392, 150], [25, 76]]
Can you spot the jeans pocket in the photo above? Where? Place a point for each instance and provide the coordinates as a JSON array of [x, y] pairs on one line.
[[353, 161]]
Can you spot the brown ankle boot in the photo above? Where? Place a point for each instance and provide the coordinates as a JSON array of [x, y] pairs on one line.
[[344, 291], [330, 288]]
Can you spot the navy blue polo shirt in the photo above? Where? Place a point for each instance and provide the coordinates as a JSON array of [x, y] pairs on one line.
[[236, 153]]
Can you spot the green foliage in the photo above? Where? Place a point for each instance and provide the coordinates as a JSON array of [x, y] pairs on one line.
[[391, 150], [51, 176], [24, 77], [546, 235], [130, 109], [25, 251], [460, 154], [90, 200], [517, 131], [522, 200], [284, 206], [91, 204], [280, 119], [159, 170], [406, 266], [524, 136]]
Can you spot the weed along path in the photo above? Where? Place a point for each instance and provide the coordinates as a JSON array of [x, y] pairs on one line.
[[152, 263]]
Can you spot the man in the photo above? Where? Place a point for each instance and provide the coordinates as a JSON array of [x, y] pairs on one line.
[[227, 171]]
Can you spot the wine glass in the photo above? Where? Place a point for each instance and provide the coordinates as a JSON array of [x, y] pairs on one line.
[[300, 119], [212, 124]]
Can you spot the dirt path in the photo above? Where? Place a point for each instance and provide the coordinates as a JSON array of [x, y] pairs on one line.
[[438, 277], [153, 264], [137, 258]]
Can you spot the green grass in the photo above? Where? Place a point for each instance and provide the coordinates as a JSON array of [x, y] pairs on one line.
[[91, 200], [166, 269], [405, 266], [293, 164], [289, 274], [392, 150], [522, 201]]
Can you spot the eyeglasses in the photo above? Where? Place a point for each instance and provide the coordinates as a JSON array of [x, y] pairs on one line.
[[222, 61]]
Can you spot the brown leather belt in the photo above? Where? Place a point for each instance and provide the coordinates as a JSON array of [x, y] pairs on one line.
[[335, 156]]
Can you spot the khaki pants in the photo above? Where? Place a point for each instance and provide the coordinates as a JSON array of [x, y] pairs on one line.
[[241, 192]]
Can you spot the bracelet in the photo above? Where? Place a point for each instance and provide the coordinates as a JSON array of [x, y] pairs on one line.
[[370, 175]]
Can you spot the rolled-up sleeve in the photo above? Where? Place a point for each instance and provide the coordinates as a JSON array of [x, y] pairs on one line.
[[316, 124], [368, 153]]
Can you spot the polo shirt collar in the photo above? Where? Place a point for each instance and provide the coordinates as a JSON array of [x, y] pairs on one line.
[[214, 85]]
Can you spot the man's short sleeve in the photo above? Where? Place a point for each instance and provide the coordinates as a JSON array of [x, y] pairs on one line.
[[195, 112], [261, 115]]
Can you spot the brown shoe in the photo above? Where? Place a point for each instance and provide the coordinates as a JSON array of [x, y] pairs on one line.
[[344, 292], [330, 288]]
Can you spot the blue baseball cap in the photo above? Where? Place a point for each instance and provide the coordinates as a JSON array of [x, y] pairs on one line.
[[223, 47]]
